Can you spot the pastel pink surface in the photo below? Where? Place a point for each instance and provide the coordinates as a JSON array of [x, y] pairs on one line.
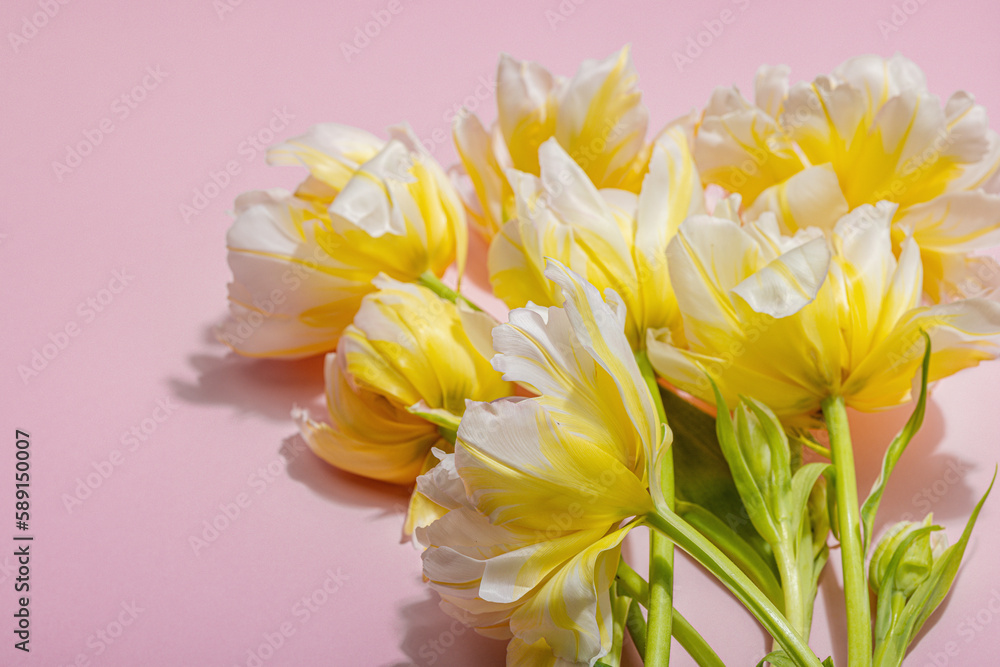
[[222, 78]]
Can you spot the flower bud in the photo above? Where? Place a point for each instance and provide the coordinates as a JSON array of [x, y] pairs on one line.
[[911, 541]]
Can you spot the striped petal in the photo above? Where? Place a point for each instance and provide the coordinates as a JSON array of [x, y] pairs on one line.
[[601, 120]]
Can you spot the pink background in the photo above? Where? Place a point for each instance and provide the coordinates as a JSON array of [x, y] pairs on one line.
[[64, 236]]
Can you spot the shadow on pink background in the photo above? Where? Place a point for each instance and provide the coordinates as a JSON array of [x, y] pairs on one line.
[[116, 577]]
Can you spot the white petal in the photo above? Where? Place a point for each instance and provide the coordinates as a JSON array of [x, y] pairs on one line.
[[788, 283], [671, 193], [708, 258], [771, 88], [526, 108], [331, 152], [475, 150], [577, 593], [573, 197], [810, 198], [280, 277], [957, 222], [366, 202], [881, 78], [598, 327]]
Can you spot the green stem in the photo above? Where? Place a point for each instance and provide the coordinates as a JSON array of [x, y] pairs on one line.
[[716, 562], [791, 586], [619, 606], [661, 549], [631, 584], [434, 284], [636, 626], [694, 643], [736, 549], [859, 625]]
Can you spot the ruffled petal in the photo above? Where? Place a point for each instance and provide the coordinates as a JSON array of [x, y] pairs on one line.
[[741, 148], [810, 198], [330, 151], [526, 104], [367, 434], [601, 120], [493, 193]]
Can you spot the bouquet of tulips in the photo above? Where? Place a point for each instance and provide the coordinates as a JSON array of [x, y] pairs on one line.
[[691, 313]]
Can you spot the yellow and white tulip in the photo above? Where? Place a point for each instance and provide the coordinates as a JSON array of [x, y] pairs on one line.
[[868, 132], [403, 368], [597, 117], [302, 262], [613, 238], [538, 488], [791, 321]]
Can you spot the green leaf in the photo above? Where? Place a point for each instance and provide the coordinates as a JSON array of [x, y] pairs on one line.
[[781, 659], [891, 648], [702, 476], [777, 659], [803, 481], [934, 590], [748, 475], [891, 598], [777, 441], [896, 448], [761, 570]]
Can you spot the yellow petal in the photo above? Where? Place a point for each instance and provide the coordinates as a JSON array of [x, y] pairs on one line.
[[601, 120], [526, 102], [493, 194], [741, 148], [408, 344], [367, 435]]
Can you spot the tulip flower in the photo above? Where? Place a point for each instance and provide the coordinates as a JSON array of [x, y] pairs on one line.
[[596, 116], [303, 262], [866, 133], [791, 322], [530, 546], [397, 387], [615, 239]]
